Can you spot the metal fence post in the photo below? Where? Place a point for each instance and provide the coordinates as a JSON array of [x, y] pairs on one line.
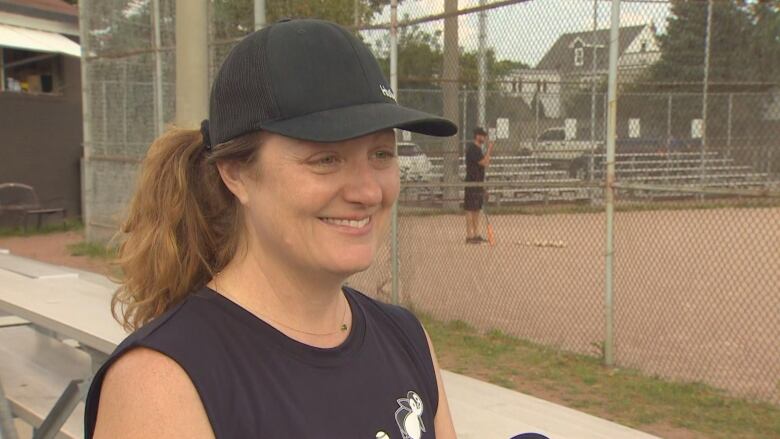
[[593, 147], [259, 10], [157, 79], [728, 125], [87, 117], [609, 340], [394, 214], [707, 44], [669, 122], [482, 68]]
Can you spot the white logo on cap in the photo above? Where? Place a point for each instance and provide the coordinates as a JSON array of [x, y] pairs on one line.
[[387, 92]]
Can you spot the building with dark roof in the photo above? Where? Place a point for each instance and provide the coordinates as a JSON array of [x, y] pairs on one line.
[[40, 100], [568, 65]]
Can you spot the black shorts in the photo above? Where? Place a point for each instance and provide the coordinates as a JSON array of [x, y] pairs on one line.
[[473, 198]]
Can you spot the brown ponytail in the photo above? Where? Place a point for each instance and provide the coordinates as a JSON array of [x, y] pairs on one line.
[[182, 225]]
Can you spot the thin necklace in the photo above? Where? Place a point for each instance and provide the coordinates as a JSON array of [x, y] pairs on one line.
[[342, 328]]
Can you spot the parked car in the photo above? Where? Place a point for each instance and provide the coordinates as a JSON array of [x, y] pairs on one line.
[[553, 145], [413, 163]]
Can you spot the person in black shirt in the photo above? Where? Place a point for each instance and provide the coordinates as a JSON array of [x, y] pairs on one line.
[[234, 253], [476, 162]]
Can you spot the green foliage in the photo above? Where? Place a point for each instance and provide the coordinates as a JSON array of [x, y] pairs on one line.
[[52, 227], [234, 18], [469, 70], [580, 381], [92, 250], [744, 48], [419, 57]]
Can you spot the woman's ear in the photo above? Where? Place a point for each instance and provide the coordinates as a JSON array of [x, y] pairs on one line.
[[231, 172]]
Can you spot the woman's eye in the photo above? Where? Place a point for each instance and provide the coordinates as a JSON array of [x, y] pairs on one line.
[[385, 154], [327, 160]]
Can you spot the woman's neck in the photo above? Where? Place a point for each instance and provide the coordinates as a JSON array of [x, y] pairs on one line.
[[308, 309]]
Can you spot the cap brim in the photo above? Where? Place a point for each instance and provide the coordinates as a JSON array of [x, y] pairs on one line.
[[359, 120]]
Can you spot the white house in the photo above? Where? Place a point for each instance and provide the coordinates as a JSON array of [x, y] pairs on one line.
[[569, 64]]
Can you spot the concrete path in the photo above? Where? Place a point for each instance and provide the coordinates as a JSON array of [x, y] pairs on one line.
[[480, 410]]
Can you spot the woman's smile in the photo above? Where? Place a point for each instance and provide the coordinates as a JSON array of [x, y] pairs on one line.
[[355, 226]]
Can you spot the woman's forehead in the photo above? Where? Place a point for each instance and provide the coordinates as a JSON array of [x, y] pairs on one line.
[[384, 136]]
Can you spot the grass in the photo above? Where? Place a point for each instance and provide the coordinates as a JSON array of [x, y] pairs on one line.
[[581, 382], [92, 250], [54, 227]]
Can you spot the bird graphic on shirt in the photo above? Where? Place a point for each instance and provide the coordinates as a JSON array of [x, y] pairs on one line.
[[409, 416]]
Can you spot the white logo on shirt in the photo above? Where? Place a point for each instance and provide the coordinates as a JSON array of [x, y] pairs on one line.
[[408, 416]]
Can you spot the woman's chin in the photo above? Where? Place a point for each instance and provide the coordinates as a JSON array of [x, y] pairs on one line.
[[349, 264]]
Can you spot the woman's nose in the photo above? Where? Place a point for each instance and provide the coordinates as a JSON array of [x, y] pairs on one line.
[[363, 185]]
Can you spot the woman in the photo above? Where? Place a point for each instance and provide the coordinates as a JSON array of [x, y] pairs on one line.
[[237, 243]]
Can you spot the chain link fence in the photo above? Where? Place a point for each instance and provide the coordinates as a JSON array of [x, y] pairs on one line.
[[697, 210], [696, 242]]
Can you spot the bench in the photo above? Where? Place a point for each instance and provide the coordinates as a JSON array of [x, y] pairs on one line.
[[38, 373], [21, 199], [48, 364]]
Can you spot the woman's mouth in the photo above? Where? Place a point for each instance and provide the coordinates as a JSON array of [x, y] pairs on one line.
[[355, 226]]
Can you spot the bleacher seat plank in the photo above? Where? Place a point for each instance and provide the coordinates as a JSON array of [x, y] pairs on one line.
[[35, 370]]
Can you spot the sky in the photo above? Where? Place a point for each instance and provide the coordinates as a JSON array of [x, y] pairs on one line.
[[521, 32], [525, 31]]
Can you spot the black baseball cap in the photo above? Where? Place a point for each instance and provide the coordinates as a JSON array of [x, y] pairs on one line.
[[311, 80]]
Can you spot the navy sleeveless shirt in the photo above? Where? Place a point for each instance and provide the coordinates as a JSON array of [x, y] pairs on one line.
[[255, 382]]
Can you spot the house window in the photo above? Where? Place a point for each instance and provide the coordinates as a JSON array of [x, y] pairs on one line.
[[579, 56], [31, 72], [644, 47]]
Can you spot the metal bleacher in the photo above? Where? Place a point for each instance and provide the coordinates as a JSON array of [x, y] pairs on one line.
[[532, 180]]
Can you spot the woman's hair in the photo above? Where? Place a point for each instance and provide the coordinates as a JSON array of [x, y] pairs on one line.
[[182, 224]]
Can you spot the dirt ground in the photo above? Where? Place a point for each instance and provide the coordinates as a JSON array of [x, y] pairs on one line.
[[696, 292], [53, 248]]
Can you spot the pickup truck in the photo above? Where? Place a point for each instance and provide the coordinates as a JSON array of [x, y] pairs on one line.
[[553, 146]]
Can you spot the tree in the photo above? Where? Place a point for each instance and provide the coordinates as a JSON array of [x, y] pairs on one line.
[[469, 71], [765, 43], [744, 56], [683, 45], [235, 17], [419, 57]]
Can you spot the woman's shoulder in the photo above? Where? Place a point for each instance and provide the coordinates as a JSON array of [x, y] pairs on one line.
[[182, 321], [146, 369], [377, 305], [385, 313], [143, 384]]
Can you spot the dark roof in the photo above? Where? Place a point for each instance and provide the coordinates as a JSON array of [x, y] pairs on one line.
[[57, 10], [560, 56]]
